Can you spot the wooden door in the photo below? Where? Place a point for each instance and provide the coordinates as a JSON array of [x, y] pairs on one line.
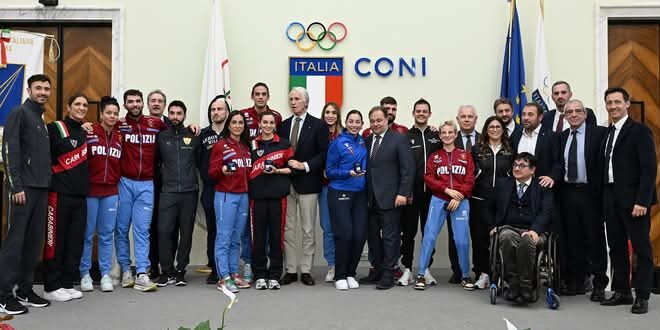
[[634, 57]]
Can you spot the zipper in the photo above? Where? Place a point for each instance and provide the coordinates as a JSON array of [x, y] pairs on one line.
[[107, 154], [178, 159], [451, 163], [425, 155], [140, 142], [494, 166]]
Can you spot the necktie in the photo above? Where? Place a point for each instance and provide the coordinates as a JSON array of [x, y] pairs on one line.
[[608, 152], [521, 190], [294, 133], [468, 143], [560, 124], [374, 149], [572, 159]]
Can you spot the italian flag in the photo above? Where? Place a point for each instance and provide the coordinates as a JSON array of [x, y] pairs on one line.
[[321, 76]]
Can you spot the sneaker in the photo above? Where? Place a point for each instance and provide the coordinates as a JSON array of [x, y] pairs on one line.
[[106, 284], [352, 283], [406, 278], [144, 284], [127, 280], [180, 278], [75, 294], [420, 283], [247, 274], [341, 285], [330, 276], [230, 285], [273, 284], [212, 278], [240, 282], [9, 305], [31, 299], [467, 284], [58, 295], [397, 273], [154, 272], [430, 280], [86, 283], [261, 284], [165, 280], [482, 282]]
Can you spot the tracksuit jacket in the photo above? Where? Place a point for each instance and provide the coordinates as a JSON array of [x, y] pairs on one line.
[[269, 186], [348, 149], [225, 151], [177, 156], [252, 120], [139, 136], [453, 170], [104, 152]]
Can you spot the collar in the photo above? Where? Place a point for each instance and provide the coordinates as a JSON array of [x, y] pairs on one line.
[[471, 134], [72, 123], [619, 124], [527, 183], [382, 135], [535, 132], [512, 126], [580, 129], [302, 117], [276, 138]]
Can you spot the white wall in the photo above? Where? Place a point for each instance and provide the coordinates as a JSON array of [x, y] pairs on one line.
[[463, 42]]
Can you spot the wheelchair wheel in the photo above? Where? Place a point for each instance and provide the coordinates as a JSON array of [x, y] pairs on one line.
[[552, 299], [493, 294]]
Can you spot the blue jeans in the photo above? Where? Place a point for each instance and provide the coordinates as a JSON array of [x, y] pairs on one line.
[[460, 222], [326, 225], [246, 243], [101, 218], [136, 201], [230, 218]]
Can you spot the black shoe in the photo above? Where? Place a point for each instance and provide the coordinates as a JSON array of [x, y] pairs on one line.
[[641, 306], [526, 294], [289, 278], [386, 281], [618, 299], [212, 279], [597, 295], [455, 278], [9, 305], [165, 280], [373, 277], [511, 294], [154, 272], [180, 278], [31, 299], [307, 279]]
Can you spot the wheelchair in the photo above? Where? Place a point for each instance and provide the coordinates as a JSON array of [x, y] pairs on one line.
[[546, 270]]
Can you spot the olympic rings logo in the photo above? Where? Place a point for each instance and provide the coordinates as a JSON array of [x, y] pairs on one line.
[[317, 33]]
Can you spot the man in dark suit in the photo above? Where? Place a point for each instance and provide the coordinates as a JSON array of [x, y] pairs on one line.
[[629, 175], [390, 174], [503, 109], [309, 139], [561, 94], [523, 211], [580, 194]]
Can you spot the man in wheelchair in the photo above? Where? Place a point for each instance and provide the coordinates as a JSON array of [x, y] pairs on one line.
[[523, 213]]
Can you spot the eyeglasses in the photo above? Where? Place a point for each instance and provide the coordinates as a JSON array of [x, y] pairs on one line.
[[520, 165]]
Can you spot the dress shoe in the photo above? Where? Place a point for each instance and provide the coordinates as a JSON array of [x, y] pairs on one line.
[[597, 295], [641, 306], [511, 294], [373, 277], [618, 299], [289, 278], [455, 278], [307, 279], [526, 294], [386, 281]]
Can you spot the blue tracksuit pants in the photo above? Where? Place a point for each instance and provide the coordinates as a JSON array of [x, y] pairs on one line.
[[231, 213], [136, 200], [101, 219]]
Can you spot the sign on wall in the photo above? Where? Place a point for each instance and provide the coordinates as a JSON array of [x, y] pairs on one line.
[[321, 76]]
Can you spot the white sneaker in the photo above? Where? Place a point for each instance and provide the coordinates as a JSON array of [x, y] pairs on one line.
[[482, 282], [430, 280], [144, 284], [106, 284], [341, 285], [58, 295], [330, 276], [86, 284], [75, 294], [127, 280], [273, 284], [352, 283], [406, 278], [261, 284], [247, 273]]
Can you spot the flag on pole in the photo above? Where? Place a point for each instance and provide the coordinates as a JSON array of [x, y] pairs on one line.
[[542, 85], [216, 67], [513, 69]]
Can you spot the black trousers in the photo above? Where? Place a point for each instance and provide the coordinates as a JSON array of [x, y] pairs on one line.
[[414, 219], [267, 217], [349, 216], [208, 193], [479, 235], [176, 212], [154, 245], [621, 227], [384, 237], [23, 244], [585, 235], [65, 233]]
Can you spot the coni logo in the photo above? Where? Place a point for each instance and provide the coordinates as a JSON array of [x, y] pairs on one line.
[[316, 34]]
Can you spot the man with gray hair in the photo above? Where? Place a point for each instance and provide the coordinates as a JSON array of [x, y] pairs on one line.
[[309, 139]]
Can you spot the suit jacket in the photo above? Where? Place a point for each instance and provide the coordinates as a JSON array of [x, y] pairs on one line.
[[594, 159], [549, 118], [634, 165], [391, 171], [459, 140], [312, 148], [541, 202], [546, 152]]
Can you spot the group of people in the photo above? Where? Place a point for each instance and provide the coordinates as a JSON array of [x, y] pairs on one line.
[[264, 179]]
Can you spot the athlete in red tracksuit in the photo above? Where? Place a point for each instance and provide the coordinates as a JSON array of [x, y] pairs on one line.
[[252, 119]]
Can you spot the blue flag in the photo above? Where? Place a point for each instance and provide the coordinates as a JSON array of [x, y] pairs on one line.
[[513, 70]]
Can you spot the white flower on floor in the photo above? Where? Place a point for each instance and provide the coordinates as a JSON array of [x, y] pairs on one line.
[[231, 295], [509, 325]]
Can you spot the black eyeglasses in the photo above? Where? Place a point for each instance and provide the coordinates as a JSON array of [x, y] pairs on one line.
[[520, 165]]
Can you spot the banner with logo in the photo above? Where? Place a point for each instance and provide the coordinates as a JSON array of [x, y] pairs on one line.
[[321, 76]]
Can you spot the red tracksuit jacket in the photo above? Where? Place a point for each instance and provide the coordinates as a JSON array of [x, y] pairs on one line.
[[139, 146], [224, 151], [104, 153], [252, 120], [453, 170]]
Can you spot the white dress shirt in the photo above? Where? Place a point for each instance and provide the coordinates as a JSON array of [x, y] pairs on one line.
[[528, 141], [617, 130]]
